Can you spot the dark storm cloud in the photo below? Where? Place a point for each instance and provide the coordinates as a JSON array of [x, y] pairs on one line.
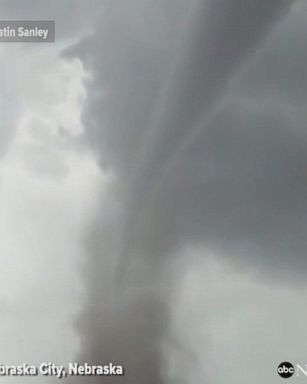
[[197, 158], [238, 184], [223, 34], [214, 51]]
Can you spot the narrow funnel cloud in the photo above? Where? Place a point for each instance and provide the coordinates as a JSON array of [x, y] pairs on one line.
[[158, 71]]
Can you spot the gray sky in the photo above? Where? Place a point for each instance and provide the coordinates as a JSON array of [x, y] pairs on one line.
[[152, 188]]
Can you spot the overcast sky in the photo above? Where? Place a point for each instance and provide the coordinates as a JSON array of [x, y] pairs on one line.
[[153, 189]]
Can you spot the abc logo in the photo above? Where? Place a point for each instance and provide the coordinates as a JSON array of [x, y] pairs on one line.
[[285, 370]]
